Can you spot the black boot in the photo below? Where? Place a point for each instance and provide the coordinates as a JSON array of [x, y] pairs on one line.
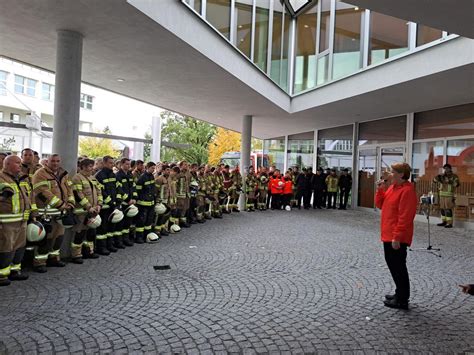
[[55, 263], [127, 241], [118, 242], [164, 232], [139, 238], [442, 224], [110, 245], [17, 276], [101, 247], [78, 260], [4, 282]]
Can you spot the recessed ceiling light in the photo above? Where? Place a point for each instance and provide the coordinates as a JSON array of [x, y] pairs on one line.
[[240, 26], [306, 26], [356, 8], [120, 80]]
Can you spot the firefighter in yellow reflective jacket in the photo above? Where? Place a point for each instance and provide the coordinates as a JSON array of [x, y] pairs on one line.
[[162, 183], [15, 209], [146, 191], [183, 180], [332, 183], [173, 204], [446, 185], [236, 178], [251, 183], [88, 197], [201, 196], [52, 190]]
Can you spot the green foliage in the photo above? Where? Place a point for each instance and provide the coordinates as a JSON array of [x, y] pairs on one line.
[[98, 147], [186, 130]]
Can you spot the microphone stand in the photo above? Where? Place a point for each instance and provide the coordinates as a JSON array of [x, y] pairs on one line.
[[425, 209]]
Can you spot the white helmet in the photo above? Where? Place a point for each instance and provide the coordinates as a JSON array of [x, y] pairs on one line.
[[175, 228], [194, 184], [281, 183], [152, 237], [160, 208], [288, 208], [94, 222], [131, 211], [116, 216], [35, 232]]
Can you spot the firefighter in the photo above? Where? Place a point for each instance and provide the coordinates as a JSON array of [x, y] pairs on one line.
[[193, 191], [15, 209], [173, 204], [262, 185], [319, 188], [332, 184], [108, 239], [236, 189], [228, 188], [182, 194], [250, 189], [215, 189], [446, 185], [88, 198], [222, 195], [345, 185], [146, 190], [52, 190], [138, 169], [28, 164], [129, 196], [162, 183], [201, 196], [207, 185]]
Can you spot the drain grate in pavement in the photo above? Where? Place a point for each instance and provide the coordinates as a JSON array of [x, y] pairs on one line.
[[161, 267]]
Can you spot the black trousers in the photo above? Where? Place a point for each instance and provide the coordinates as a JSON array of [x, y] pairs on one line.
[[300, 196], [318, 198], [343, 197], [397, 264], [276, 201], [332, 197], [307, 198]]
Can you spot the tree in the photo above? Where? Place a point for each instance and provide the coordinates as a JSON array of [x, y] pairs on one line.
[[224, 141], [186, 130], [147, 148], [98, 147]]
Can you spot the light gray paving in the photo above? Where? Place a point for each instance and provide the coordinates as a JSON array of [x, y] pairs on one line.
[[262, 282]]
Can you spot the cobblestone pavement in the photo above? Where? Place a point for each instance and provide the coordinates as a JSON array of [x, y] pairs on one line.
[[272, 282]]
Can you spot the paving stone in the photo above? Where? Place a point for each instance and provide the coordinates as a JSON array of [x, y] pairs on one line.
[[302, 282]]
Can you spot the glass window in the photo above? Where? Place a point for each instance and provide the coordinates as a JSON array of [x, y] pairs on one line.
[[25, 86], [347, 50], [261, 34], [445, 122], [425, 34], [461, 157], [195, 4], [427, 162], [305, 63], [335, 147], [218, 15], [243, 21], [3, 82], [1, 116], [323, 70], [14, 118], [301, 150], [274, 149], [280, 36], [47, 92], [298, 4], [324, 30], [87, 101], [388, 37], [383, 131]]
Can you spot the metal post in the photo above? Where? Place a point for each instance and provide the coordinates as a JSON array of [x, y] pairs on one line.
[[156, 136], [285, 157], [245, 148], [355, 161], [67, 98]]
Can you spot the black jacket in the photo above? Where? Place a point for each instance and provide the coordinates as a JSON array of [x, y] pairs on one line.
[[146, 189], [127, 186], [319, 182], [303, 181], [345, 182], [110, 187]]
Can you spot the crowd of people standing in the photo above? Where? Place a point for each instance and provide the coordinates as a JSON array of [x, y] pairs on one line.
[[110, 204]]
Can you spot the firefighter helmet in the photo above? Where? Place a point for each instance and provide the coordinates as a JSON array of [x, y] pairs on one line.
[[160, 208], [175, 228], [131, 211], [116, 216], [94, 222], [288, 208], [35, 232], [152, 237]]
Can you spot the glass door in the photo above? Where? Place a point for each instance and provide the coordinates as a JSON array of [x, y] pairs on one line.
[[389, 156], [367, 174]]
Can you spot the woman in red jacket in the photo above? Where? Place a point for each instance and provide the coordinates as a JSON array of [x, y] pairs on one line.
[[287, 191], [276, 187], [398, 203]]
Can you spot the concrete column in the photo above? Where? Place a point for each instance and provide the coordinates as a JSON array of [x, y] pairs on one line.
[[245, 147], [67, 98], [355, 164], [156, 136]]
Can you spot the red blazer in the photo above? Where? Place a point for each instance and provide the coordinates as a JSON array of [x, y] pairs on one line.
[[398, 206], [288, 188]]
